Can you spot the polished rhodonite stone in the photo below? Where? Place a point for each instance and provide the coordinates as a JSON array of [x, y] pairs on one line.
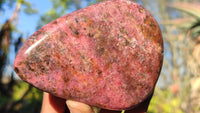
[[107, 55]]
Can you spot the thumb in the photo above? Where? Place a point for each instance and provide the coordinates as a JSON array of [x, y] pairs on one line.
[[78, 107]]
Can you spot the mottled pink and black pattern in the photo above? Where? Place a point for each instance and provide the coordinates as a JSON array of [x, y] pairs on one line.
[[107, 55]]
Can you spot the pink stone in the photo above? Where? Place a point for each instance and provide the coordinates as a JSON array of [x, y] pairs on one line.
[[107, 55]]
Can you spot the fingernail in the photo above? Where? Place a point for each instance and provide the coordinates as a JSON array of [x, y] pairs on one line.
[[78, 107], [72, 107]]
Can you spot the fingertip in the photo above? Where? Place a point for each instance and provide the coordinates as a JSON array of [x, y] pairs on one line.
[[52, 104], [78, 107]]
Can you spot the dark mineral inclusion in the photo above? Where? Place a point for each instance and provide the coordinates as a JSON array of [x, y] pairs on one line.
[[107, 55]]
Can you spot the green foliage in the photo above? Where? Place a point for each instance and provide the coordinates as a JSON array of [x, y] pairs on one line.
[[8, 2], [190, 8], [32, 101], [48, 17], [192, 20], [63, 4], [58, 9], [24, 99], [20, 88], [28, 7], [4, 100], [29, 10], [164, 101]]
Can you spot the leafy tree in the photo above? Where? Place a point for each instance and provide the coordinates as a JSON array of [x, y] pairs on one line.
[[2, 2], [180, 26], [9, 102], [60, 8]]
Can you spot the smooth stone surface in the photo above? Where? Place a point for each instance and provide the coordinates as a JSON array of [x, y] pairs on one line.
[[107, 55]]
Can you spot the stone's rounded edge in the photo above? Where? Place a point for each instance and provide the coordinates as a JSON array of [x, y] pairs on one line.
[[157, 38]]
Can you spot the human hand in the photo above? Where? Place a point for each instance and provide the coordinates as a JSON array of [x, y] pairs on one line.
[[52, 104]]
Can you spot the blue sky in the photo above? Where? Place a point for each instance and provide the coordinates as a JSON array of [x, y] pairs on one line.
[[27, 23]]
